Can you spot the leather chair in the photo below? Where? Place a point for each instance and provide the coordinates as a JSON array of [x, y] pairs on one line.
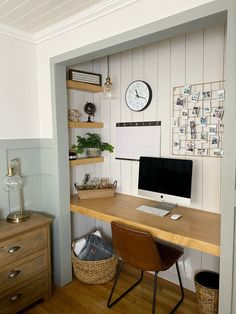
[[139, 249]]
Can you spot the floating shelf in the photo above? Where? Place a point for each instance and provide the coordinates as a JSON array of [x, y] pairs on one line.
[[84, 86], [85, 125], [84, 161]]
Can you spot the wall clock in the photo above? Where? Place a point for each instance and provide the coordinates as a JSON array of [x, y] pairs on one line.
[[138, 95]]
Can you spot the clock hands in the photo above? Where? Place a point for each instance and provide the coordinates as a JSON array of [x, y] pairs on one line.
[[137, 95]]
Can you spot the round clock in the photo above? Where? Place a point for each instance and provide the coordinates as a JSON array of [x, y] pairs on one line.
[[138, 95]]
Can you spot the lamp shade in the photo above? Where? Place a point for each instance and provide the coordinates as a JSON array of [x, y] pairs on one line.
[[12, 183], [108, 88]]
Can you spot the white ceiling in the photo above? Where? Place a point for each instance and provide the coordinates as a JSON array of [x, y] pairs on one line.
[[33, 16]]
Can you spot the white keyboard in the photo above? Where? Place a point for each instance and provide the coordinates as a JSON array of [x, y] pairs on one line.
[[153, 210]]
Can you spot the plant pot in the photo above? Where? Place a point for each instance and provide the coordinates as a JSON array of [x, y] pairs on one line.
[[93, 152]]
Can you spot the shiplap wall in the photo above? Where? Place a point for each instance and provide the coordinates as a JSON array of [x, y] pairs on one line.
[[186, 59]]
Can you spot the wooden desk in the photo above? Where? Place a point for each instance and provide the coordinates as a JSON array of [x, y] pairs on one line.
[[196, 229]]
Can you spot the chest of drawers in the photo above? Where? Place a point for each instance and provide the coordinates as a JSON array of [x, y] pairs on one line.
[[25, 263]]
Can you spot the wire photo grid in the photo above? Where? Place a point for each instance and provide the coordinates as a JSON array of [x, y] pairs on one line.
[[197, 119]]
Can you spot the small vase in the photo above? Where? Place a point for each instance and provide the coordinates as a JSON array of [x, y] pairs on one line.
[[93, 152]]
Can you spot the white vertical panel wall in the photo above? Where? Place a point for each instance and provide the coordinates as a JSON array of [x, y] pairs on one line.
[[186, 59]]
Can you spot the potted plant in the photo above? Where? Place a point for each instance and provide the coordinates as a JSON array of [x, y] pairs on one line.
[[92, 145]]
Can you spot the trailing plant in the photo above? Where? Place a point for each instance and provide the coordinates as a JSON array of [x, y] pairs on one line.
[[91, 140]]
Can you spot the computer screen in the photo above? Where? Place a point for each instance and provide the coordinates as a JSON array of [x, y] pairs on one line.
[[166, 179]]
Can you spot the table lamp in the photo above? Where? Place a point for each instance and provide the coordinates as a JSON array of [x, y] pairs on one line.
[[13, 183]]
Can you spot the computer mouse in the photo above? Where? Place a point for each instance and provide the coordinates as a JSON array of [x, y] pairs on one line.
[[175, 216]]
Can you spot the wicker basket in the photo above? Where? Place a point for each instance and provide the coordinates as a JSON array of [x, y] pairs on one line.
[[207, 292], [94, 272]]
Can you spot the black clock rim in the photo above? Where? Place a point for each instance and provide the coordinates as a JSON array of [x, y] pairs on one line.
[[150, 95]]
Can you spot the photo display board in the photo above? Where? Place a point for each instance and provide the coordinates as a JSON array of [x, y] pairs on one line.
[[197, 119]]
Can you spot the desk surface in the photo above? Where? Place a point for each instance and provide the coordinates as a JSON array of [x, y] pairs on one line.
[[196, 229]]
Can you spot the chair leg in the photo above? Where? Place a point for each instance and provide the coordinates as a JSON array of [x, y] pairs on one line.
[[114, 285], [154, 292], [181, 288]]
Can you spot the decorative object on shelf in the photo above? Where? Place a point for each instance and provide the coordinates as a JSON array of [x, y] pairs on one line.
[[138, 95], [73, 115], [85, 77], [108, 88], [92, 144], [72, 154], [96, 188], [90, 109], [13, 183], [201, 113]]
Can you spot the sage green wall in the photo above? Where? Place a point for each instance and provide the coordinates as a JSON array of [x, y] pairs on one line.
[[29, 153], [39, 174]]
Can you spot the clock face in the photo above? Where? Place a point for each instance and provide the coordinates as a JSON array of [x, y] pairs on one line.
[[138, 95]]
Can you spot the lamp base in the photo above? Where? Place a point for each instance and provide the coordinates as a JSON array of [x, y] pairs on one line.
[[17, 217]]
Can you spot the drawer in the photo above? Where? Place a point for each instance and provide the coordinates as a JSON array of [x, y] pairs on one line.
[[20, 297], [23, 270], [13, 249]]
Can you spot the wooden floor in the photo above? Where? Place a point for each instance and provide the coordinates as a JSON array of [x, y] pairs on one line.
[[77, 297]]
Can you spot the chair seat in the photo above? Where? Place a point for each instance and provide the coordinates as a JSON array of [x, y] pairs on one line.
[[169, 255]]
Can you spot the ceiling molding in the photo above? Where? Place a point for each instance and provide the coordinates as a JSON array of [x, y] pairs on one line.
[[16, 33], [103, 8]]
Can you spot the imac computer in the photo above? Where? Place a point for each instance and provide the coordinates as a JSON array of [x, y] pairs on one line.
[[166, 180]]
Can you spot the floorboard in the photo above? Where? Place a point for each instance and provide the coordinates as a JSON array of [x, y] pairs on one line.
[[77, 297]]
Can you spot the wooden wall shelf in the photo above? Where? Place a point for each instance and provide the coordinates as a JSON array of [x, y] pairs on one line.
[[85, 161], [84, 86], [85, 125]]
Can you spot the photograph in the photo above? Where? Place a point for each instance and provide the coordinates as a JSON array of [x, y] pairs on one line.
[[203, 121], [220, 95], [180, 102], [218, 152], [195, 111], [176, 144], [195, 97], [193, 130], [221, 127], [212, 129], [205, 94], [207, 108], [187, 90], [218, 113], [215, 141], [184, 113], [190, 146], [202, 151], [182, 129], [204, 136]]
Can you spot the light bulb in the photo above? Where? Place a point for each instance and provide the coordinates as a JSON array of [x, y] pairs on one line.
[[12, 183], [108, 88]]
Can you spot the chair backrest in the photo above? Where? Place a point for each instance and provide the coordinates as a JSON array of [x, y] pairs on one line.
[[136, 247]]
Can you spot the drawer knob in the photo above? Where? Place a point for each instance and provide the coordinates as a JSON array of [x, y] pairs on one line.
[[15, 297], [14, 249], [14, 273]]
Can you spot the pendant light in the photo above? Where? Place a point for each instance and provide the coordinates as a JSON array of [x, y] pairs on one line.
[[108, 88]]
